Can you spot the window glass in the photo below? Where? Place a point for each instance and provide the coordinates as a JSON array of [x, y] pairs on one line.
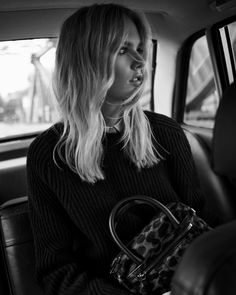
[[26, 98], [232, 32], [202, 98], [228, 36]]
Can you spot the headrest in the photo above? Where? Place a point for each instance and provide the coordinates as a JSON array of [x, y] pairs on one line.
[[224, 135]]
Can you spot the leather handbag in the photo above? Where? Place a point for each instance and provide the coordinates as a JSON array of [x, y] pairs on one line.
[[148, 262]]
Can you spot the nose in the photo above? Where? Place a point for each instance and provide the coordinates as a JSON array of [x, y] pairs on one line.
[[137, 61], [136, 65]]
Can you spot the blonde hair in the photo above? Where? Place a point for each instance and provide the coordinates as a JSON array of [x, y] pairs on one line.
[[87, 48]]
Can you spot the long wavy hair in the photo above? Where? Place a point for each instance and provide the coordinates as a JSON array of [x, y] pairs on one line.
[[89, 42]]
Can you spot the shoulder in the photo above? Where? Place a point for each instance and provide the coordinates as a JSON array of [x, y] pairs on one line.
[[41, 149], [167, 132], [162, 122]]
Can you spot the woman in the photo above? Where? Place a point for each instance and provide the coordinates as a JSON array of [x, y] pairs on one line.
[[104, 149]]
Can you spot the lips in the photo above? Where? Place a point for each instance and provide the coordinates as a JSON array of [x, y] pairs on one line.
[[137, 79]]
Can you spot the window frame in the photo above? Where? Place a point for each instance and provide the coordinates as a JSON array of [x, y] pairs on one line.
[[217, 56]]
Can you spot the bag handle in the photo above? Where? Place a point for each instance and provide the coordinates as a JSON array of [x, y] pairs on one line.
[[127, 203]]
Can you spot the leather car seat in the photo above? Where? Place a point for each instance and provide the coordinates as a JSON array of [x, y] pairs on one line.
[[217, 189], [224, 136], [17, 248], [208, 267], [216, 166]]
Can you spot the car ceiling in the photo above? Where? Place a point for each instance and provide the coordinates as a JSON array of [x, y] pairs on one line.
[[173, 19]]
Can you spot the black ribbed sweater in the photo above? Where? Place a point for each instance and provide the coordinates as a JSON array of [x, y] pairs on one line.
[[69, 217]]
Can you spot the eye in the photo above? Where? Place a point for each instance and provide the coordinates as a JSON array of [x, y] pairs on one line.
[[123, 50]]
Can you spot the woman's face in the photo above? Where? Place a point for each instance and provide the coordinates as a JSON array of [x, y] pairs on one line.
[[128, 71]]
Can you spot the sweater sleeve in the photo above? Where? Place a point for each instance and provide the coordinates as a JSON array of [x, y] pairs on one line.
[[61, 262]]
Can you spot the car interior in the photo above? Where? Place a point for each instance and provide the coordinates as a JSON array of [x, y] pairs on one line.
[[192, 80]]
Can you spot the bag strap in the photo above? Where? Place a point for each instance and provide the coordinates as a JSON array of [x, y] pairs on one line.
[[123, 206]]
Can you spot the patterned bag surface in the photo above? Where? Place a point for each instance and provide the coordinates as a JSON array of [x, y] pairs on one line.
[[148, 263]]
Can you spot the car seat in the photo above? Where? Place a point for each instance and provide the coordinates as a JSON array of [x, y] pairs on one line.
[[209, 265], [224, 137], [17, 248], [216, 164]]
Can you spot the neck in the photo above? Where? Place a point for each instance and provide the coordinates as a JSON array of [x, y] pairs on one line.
[[112, 113]]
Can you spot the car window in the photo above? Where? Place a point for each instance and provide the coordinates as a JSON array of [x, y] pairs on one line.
[[232, 33], [26, 98], [228, 36], [202, 98]]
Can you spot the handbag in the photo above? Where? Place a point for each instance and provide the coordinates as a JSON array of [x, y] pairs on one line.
[[148, 262]]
